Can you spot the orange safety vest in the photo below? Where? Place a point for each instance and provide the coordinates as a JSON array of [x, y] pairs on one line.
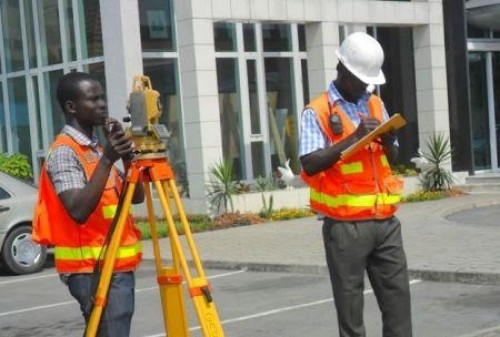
[[360, 188], [78, 246]]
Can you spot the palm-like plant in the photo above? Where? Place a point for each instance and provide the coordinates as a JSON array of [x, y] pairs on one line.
[[437, 177], [222, 187]]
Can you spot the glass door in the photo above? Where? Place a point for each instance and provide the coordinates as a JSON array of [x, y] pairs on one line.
[[484, 91]]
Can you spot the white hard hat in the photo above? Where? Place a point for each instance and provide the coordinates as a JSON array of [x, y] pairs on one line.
[[363, 56]]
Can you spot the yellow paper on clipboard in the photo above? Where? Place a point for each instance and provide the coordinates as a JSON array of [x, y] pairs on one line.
[[393, 123]]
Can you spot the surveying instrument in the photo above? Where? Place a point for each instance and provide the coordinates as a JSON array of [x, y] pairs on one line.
[[151, 165]]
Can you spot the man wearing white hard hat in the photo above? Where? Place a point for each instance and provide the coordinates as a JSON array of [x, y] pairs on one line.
[[357, 196]]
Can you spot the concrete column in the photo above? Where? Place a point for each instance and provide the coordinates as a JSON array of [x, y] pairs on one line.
[[122, 51], [322, 42], [200, 99], [431, 78]]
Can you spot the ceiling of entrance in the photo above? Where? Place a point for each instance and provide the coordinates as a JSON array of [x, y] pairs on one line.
[[483, 13]]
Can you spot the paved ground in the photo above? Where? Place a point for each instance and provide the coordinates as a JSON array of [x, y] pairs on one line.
[[454, 239]]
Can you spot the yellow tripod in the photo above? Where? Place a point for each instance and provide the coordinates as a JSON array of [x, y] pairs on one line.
[[155, 169]]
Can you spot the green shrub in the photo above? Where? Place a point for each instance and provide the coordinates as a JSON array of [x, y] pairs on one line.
[[425, 196], [437, 177], [16, 164], [222, 187]]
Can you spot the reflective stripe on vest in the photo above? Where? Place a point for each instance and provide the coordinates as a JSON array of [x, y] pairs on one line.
[[85, 253], [355, 167], [109, 211], [351, 200]]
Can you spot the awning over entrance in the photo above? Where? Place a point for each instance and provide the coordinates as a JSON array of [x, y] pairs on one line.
[[483, 13]]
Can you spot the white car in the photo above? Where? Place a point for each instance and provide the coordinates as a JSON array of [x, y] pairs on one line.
[[19, 254]]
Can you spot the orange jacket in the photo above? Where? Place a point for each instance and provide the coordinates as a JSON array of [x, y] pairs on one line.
[[361, 187], [77, 246]]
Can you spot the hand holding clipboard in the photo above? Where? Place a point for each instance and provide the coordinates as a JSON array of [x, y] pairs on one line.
[[393, 123]]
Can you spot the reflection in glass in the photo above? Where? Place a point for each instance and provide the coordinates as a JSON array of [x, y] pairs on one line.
[[281, 111], [97, 70], [277, 37], [496, 95], [230, 110], [50, 33], [30, 33], [55, 115], [249, 36], [258, 165], [225, 36], [90, 28], [3, 128], [305, 81], [19, 116], [479, 110], [70, 29], [11, 25], [302, 37], [163, 75], [157, 30], [253, 94]]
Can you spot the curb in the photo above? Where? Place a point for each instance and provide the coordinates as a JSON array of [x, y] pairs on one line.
[[475, 278]]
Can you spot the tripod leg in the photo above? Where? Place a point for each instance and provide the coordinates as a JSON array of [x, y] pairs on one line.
[[108, 264], [199, 288], [170, 282]]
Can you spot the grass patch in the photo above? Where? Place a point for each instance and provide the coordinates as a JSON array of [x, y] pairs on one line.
[[201, 222], [431, 195]]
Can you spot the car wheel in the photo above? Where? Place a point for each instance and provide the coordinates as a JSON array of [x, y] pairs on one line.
[[20, 254]]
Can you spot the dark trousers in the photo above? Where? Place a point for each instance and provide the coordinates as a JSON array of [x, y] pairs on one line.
[[117, 315], [375, 246]]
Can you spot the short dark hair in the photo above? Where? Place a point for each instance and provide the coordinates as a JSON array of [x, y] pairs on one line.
[[67, 88]]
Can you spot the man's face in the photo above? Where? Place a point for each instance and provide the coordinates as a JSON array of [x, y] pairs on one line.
[[90, 107], [355, 87]]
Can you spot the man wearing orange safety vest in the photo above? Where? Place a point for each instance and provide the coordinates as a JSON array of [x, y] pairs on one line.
[[358, 196], [79, 194]]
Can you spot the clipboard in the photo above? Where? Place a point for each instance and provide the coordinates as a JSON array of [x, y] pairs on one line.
[[393, 123]]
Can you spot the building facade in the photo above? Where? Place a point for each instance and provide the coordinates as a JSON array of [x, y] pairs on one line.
[[234, 75]]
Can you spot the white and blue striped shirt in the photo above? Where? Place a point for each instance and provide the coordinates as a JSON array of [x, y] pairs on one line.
[[312, 137]]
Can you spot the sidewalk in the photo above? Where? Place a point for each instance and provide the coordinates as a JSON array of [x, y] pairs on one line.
[[436, 248]]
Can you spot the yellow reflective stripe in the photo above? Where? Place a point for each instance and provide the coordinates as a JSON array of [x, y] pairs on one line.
[[355, 167], [383, 159], [354, 200], [109, 211], [86, 253]]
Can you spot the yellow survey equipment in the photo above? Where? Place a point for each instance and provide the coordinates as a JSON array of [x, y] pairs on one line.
[[150, 167]]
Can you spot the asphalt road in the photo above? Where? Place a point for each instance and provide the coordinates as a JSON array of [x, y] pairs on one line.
[[251, 304]]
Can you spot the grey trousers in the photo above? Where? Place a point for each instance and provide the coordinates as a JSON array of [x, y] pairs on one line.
[[375, 246]]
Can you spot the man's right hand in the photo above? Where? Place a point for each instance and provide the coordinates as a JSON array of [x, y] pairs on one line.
[[119, 146], [367, 125]]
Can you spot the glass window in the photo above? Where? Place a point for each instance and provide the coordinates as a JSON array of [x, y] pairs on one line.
[[225, 36], [302, 37], [50, 33], [249, 36], [19, 116], [277, 37], [90, 28], [97, 70], [13, 44], [230, 119], [479, 110], [258, 165], [478, 33], [36, 106], [496, 95], [157, 29], [305, 81], [253, 94], [164, 79], [70, 29], [282, 117], [4, 194], [56, 118], [30, 33], [3, 128]]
